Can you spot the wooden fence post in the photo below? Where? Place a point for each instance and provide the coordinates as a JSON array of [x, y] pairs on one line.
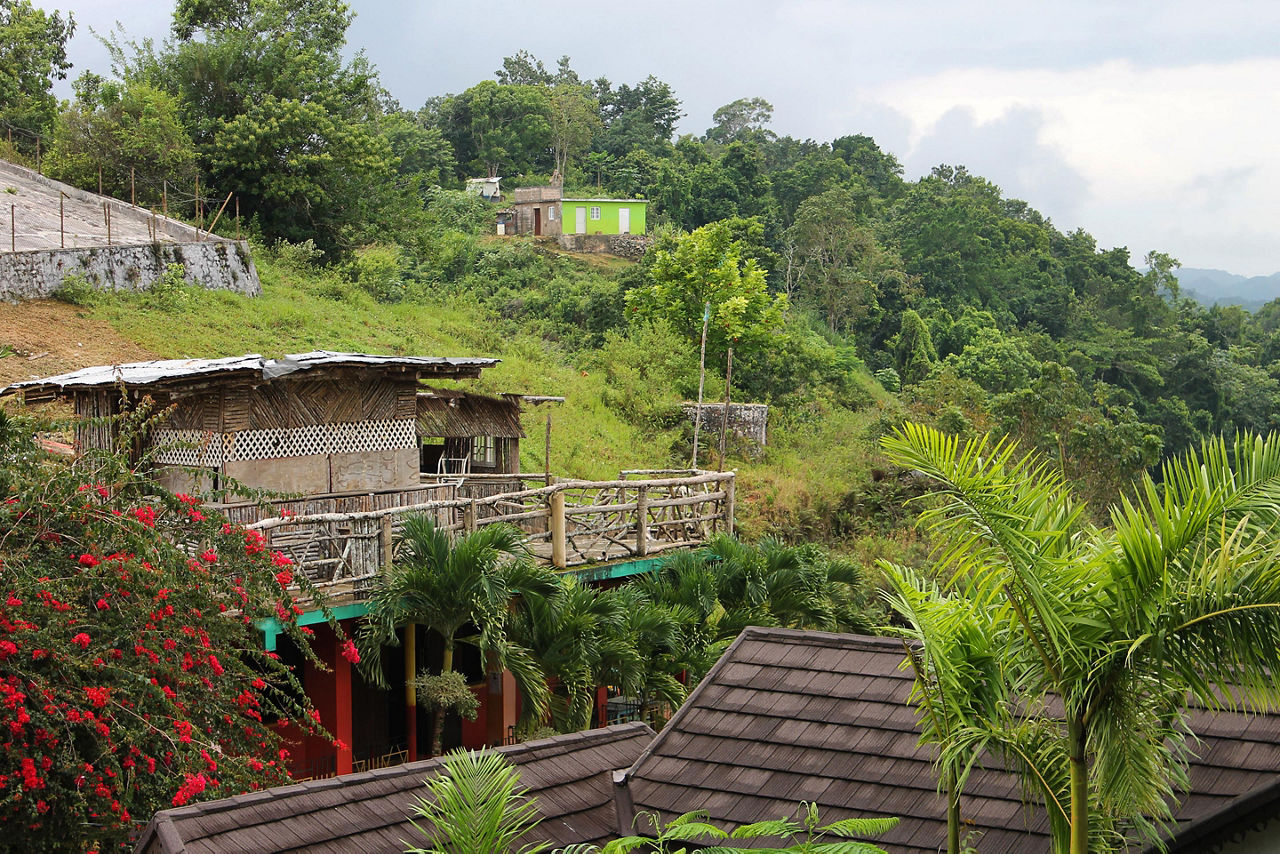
[[469, 517], [559, 558], [642, 521], [728, 503], [387, 550]]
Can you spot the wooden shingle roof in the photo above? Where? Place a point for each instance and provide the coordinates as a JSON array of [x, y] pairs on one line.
[[570, 776], [787, 716]]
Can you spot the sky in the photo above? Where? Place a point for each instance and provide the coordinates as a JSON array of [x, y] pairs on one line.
[[1151, 125]]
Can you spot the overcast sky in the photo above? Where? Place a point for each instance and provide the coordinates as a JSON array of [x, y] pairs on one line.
[[1152, 125]]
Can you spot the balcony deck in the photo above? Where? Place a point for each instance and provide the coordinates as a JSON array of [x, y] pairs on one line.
[[342, 542]]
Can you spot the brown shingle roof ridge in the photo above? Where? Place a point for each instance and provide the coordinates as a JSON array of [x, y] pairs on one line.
[[623, 804], [813, 637], [162, 823], [1254, 807], [558, 745]]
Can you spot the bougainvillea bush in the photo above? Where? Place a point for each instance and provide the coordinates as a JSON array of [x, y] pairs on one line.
[[132, 675]]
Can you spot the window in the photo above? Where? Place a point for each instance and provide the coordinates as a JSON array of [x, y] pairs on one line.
[[551, 213], [483, 450], [595, 211]]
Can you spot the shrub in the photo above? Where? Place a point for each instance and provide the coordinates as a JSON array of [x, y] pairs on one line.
[[76, 289], [133, 673]]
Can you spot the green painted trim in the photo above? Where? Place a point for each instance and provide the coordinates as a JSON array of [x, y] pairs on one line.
[[271, 627], [611, 571]]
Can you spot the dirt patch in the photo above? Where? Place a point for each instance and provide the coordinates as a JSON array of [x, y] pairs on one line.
[[43, 338]]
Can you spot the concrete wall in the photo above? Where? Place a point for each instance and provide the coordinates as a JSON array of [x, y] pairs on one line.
[[51, 229], [609, 221], [748, 420], [223, 265], [622, 245]]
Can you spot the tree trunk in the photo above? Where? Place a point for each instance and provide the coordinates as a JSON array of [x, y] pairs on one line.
[[1079, 787], [437, 723], [953, 815]]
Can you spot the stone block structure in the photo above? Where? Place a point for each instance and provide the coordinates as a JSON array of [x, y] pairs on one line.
[[50, 230]]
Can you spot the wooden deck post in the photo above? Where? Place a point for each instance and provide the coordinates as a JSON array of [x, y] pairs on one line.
[[388, 553], [469, 517], [559, 557], [728, 503], [410, 695], [642, 521]]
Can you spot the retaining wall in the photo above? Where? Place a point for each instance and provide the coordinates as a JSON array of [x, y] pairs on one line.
[[38, 274]]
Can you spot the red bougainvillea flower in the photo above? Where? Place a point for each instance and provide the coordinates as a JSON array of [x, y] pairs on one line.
[[81, 640], [350, 653]]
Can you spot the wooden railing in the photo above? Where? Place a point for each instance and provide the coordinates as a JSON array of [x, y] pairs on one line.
[[566, 523]]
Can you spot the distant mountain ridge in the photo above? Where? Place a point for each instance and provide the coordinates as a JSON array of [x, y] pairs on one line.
[[1218, 286]]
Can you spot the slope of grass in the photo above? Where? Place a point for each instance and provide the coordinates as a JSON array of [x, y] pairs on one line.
[[621, 403], [308, 309]]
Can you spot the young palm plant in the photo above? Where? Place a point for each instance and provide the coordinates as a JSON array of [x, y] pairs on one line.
[[476, 806], [1101, 635], [447, 585]]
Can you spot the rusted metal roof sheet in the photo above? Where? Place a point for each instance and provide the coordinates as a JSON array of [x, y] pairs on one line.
[[456, 415], [787, 716], [569, 777], [178, 371]]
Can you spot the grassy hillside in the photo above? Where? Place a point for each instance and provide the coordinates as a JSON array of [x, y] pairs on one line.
[[620, 397]]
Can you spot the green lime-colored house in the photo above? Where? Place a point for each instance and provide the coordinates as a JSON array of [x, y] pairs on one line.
[[546, 211]]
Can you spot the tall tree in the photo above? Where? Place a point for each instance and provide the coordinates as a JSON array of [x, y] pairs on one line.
[[500, 128], [1107, 634], [278, 116], [741, 118], [845, 269], [640, 116], [33, 54], [575, 120], [128, 136], [706, 268]]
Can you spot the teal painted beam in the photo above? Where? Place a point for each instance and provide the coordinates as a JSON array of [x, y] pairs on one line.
[[609, 572], [271, 627]]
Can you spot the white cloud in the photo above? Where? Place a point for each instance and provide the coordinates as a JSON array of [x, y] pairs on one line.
[[1178, 159]]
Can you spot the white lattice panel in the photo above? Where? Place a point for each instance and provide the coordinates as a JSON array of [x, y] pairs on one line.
[[358, 437], [189, 447]]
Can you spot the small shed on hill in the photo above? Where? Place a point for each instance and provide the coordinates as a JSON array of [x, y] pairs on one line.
[[569, 778], [310, 423]]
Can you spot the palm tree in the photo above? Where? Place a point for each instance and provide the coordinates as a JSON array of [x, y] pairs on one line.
[[1103, 635], [578, 639], [948, 645], [730, 585], [446, 585]]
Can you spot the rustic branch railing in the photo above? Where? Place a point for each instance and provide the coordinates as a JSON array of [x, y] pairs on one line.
[[566, 523]]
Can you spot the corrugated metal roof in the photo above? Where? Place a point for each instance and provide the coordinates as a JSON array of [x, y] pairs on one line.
[[150, 373]]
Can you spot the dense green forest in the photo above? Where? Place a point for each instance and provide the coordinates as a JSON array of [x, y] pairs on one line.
[[854, 299]]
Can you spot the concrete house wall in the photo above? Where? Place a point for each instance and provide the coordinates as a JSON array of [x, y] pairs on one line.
[[609, 221]]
